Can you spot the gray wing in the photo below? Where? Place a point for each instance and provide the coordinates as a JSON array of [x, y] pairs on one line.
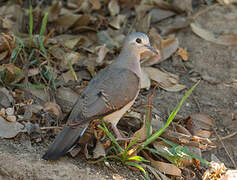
[[109, 91]]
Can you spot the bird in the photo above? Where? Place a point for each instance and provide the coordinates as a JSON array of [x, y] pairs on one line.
[[108, 95]]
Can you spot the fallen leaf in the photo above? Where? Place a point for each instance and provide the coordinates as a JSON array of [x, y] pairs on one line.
[[40, 93], [113, 7], [166, 168], [10, 129], [96, 5], [6, 99], [200, 125], [3, 55], [11, 118], [221, 38], [68, 76], [183, 53], [102, 51], [53, 108], [159, 15], [99, 150], [117, 21], [167, 81]]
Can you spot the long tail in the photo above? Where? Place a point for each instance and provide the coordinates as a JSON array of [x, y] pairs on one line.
[[67, 138]]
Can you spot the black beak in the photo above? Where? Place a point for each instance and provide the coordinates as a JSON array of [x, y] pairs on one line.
[[152, 49]]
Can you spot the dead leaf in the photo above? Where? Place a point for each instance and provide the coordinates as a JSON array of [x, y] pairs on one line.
[[96, 5], [40, 93], [183, 53], [11, 118], [166, 80], [215, 171], [117, 21], [159, 15], [12, 74], [53, 108], [3, 55], [113, 7], [102, 51], [68, 76], [166, 168], [221, 38], [10, 129], [99, 150], [200, 125], [6, 99]]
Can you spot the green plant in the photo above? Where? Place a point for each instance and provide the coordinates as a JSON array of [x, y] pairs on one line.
[[175, 154]]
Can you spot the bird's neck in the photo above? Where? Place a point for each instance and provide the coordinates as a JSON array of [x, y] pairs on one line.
[[129, 60]]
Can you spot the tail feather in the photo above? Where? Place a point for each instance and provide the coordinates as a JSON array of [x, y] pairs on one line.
[[67, 138]]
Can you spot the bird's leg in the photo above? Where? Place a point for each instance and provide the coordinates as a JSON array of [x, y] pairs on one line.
[[118, 134]]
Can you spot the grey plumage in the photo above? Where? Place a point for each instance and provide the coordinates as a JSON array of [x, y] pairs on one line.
[[111, 92]]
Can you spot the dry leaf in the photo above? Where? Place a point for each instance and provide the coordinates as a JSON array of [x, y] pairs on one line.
[[99, 150], [167, 81], [200, 125], [3, 55], [68, 76], [40, 93], [10, 129], [183, 53], [166, 168], [117, 21], [53, 108], [96, 5], [223, 39], [113, 7], [11, 118], [102, 51], [159, 15], [6, 98]]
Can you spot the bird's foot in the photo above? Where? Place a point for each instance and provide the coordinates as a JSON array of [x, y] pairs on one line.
[[118, 134]]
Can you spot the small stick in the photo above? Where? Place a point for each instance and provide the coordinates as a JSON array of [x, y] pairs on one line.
[[232, 160], [51, 127], [225, 137]]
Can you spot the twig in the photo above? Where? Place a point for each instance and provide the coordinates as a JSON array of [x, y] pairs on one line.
[[51, 127], [225, 137], [197, 103], [203, 11], [232, 160]]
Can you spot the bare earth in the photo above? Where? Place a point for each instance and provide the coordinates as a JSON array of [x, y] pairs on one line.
[[215, 63]]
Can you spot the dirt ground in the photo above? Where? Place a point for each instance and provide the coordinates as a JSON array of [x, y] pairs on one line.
[[216, 64]]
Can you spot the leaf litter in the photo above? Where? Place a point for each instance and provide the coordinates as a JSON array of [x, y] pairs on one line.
[[93, 36]]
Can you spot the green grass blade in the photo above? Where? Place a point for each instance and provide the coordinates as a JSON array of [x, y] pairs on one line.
[[44, 23], [111, 137], [154, 136], [42, 46], [72, 70], [138, 158], [138, 166]]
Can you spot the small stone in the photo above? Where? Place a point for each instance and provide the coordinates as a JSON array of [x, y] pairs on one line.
[[11, 118], [3, 112], [10, 111]]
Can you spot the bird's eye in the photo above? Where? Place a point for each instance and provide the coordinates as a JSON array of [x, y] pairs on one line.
[[138, 40]]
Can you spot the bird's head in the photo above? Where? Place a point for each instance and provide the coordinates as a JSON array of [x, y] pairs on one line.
[[138, 42]]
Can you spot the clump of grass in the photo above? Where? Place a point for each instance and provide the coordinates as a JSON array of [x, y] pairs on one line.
[[176, 152]]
